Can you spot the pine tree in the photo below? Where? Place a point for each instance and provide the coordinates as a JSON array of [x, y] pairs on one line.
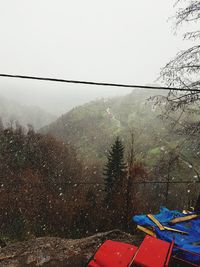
[[115, 167]]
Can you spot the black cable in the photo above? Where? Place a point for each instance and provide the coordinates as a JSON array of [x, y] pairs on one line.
[[76, 184], [98, 83]]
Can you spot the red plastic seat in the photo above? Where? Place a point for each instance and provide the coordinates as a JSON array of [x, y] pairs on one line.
[[113, 254], [152, 252]]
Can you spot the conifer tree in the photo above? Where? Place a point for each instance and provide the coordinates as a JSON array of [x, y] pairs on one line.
[[115, 167]]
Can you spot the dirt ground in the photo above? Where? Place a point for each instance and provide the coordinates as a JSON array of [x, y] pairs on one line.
[[58, 252]]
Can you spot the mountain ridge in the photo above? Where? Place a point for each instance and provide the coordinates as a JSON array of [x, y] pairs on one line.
[[92, 126]]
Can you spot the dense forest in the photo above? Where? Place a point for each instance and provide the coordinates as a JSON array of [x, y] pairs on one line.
[[162, 147], [39, 188], [120, 156]]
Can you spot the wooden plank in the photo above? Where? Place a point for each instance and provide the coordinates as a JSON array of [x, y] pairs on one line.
[[185, 218], [146, 230], [197, 243], [175, 230], [153, 219]]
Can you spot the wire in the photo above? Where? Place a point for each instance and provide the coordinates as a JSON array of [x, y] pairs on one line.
[[76, 184], [98, 83]]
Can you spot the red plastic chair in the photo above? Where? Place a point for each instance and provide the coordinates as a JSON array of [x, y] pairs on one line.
[[153, 252], [113, 254]]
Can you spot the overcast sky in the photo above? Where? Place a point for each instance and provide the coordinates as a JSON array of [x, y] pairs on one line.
[[106, 40]]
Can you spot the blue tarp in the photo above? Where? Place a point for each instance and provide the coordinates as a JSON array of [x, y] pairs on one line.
[[186, 242]]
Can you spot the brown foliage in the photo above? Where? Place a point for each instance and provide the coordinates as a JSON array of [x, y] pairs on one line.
[[38, 192]]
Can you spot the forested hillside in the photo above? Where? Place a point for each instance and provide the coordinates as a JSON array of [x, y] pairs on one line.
[[40, 191], [119, 156], [159, 143], [91, 128]]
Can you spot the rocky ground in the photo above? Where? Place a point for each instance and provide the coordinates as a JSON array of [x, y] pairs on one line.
[[58, 252]]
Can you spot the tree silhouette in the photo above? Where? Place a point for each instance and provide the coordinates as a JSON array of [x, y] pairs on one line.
[[184, 69], [114, 168]]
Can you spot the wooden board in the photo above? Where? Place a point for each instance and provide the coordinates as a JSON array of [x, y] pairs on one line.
[[146, 230], [153, 219], [185, 218]]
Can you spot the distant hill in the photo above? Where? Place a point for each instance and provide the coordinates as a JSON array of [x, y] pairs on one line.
[[12, 112], [157, 142], [92, 127]]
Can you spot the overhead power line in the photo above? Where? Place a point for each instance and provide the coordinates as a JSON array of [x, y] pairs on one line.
[[98, 83]]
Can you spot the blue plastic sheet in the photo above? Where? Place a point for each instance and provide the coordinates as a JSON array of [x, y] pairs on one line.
[[187, 242]]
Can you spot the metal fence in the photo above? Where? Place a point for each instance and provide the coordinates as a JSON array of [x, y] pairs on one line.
[[145, 195]]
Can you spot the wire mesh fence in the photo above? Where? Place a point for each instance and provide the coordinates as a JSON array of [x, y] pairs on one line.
[[147, 195], [79, 208]]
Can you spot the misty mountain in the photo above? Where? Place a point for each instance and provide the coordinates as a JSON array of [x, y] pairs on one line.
[[12, 112], [92, 127]]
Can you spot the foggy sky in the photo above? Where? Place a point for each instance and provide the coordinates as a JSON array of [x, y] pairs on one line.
[[109, 41]]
